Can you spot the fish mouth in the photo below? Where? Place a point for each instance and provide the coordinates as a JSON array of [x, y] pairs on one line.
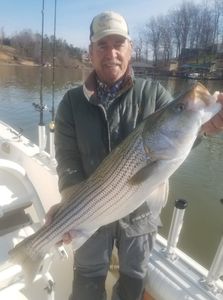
[[199, 97]]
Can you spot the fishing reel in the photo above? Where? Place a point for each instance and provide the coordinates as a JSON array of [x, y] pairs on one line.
[[40, 108]]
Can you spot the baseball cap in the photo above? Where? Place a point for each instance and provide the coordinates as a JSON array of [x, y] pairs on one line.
[[107, 23]]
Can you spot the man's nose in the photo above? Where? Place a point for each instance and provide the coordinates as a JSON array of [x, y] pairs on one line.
[[111, 52]]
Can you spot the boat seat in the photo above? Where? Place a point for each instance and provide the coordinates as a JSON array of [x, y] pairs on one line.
[[16, 196], [15, 191], [13, 221], [11, 203], [21, 214]]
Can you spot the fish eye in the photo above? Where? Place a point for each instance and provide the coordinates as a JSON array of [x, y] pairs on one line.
[[180, 107]]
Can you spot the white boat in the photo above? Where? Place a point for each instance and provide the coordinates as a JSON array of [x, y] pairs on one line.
[[194, 75], [28, 188]]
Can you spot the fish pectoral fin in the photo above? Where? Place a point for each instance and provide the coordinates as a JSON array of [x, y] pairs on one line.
[[144, 173]]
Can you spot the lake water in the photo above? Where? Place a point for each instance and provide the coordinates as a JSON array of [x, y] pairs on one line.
[[199, 179]]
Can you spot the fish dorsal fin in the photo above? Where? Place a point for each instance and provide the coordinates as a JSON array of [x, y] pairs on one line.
[[144, 173]]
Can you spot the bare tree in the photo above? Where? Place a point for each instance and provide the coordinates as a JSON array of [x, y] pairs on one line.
[[24, 42], [153, 36], [195, 29], [183, 20], [166, 38], [206, 28], [190, 25], [2, 36], [142, 46], [176, 29], [217, 15], [28, 45], [137, 48]]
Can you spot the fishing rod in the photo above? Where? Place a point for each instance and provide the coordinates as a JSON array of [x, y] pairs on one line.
[[54, 60], [41, 68], [52, 123], [41, 127], [41, 107]]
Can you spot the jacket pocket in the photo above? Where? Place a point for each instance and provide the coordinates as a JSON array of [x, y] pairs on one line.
[[140, 221], [145, 219]]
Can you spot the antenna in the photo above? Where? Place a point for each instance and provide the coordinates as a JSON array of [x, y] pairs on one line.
[[52, 123], [41, 68], [54, 59], [40, 107]]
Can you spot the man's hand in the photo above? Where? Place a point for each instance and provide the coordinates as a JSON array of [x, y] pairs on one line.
[[215, 125], [65, 195], [67, 238]]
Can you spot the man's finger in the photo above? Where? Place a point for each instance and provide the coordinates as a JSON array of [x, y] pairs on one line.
[[49, 214], [67, 239]]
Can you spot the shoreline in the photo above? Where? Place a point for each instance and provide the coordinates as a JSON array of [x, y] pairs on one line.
[[18, 64], [80, 67], [9, 57]]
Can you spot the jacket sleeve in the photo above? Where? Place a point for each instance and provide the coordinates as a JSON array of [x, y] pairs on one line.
[[69, 164], [163, 96], [153, 96]]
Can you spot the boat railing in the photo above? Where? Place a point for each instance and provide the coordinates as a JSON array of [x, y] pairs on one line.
[[52, 148], [216, 270], [175, 227], [215, 273]]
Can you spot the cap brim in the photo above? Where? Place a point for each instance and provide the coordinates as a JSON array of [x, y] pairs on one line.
[[97, 37]]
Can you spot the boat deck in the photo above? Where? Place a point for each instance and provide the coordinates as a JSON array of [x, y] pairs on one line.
[[23, 204]]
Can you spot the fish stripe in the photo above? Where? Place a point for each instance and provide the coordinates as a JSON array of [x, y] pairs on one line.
[[72, 212]]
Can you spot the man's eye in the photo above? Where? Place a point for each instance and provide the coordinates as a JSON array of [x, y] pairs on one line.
[[101, 46], [119, 44]]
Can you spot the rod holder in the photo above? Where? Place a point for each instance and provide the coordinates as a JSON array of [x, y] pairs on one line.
[[52, 147], [216, 269], [176, 226], [42, 138]]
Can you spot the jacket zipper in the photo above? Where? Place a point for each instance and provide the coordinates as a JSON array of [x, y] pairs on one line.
[[107, 125]]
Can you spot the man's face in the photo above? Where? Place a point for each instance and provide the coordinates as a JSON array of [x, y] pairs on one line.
[[110, 57]]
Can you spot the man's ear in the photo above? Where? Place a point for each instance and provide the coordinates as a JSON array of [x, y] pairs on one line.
[[90, 50]]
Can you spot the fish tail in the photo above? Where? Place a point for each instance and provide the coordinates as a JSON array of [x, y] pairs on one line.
[[31, 265]]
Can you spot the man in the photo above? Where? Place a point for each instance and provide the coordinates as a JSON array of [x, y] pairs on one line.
[[91, 121]]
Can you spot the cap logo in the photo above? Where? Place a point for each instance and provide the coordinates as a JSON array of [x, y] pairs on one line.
[[106, 21]]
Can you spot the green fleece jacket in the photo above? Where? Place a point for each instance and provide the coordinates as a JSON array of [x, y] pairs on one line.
[[85, 132]]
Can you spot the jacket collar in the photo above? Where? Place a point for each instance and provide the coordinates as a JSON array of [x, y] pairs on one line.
[[89, 86]]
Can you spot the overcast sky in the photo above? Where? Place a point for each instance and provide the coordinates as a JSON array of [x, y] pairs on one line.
[[74, 17]]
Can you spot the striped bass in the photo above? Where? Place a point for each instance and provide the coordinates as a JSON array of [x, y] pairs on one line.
[[127, 177]]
